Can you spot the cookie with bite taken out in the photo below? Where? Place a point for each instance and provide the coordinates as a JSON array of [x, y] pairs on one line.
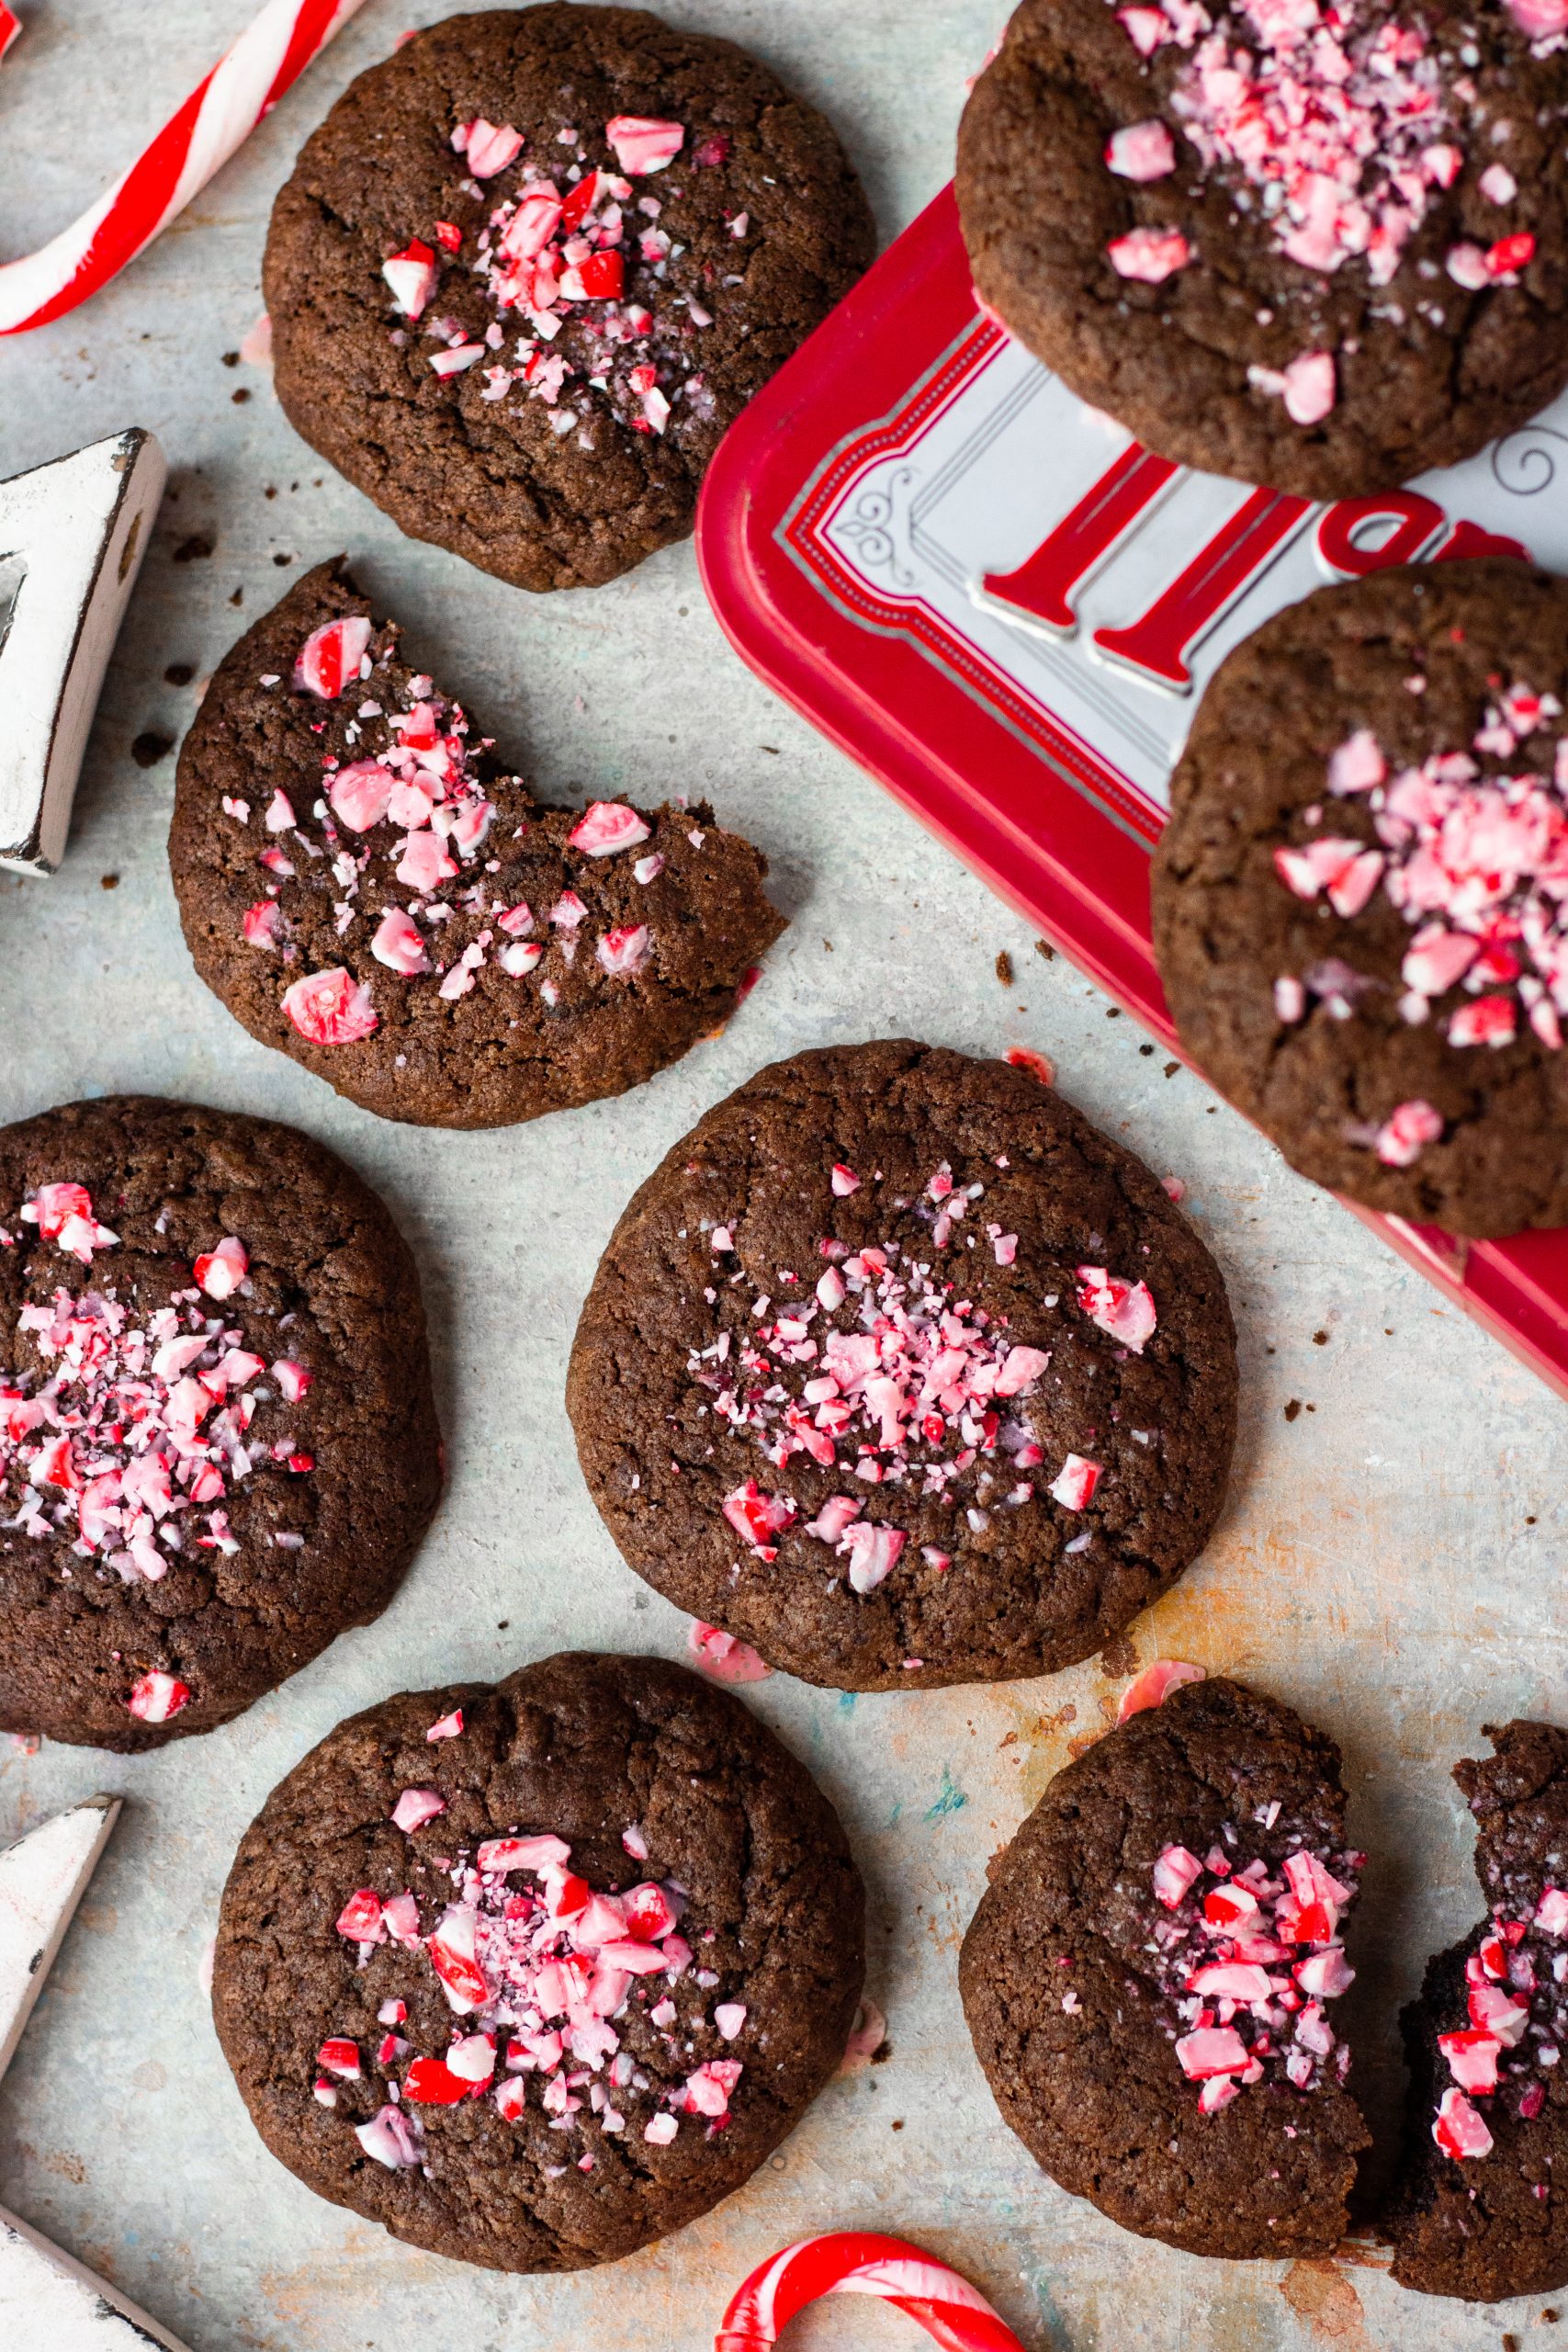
[[369, 889], [1150, 1978]]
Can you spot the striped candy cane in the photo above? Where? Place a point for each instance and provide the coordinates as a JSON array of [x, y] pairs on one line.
[[215, 120], [854, 2262]]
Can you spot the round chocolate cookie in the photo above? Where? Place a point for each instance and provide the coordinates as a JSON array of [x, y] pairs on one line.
[[529, 269], [1360, 903], [1122, 1978], [1315, 246], [900, 1372], [1479, 2209], [218, 1439], [366, 887], [535, 1972]]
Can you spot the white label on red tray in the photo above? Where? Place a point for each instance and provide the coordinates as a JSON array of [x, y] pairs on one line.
[[1035, 552]]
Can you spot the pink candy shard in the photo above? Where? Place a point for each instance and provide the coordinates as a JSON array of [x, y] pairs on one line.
[[720, 1654], [866, 2036], [643, 144], [415, 1807], [844, 1180], [221, 1271], [330, 1007], [1212, 2050], [1021, 1367], [331, 656], [1144, 150], [1407, 1132], [1472, 2057], [1074, 1484], [1551, 1914], [757, 1517], [1307, 386], [1175, 1872], [447, 1727], [873, 1553], [1126, 1310], [262, 923], [1539, 19], [1459, 2129], [1155, 1685], [156, 1697], [1037, 1065], [490, 147], [1357, 764], [1149, 255], [391, 2138], [399, 944], [360, 794], [605, 827]]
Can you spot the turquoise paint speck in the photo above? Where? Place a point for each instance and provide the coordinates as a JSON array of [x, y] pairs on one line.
[[846, 1702], [951, 1798]]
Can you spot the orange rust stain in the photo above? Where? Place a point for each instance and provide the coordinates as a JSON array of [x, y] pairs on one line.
[[1319, 2293]]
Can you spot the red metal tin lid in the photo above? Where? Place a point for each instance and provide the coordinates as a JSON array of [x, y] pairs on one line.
[[993, 599]]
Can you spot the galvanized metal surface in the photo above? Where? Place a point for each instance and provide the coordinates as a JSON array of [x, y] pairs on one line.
[[1389, 1562]]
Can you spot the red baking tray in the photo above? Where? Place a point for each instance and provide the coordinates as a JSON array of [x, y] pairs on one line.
[[1002, 606]]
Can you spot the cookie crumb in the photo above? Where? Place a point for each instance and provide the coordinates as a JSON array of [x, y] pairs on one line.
[[1293, 1408], [179, 674], [151, 746], [194, 549], [1044, 947], [1320, 1339], [109, 882], [1004, 968]]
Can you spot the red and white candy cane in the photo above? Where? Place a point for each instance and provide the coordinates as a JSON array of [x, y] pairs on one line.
[[193, 144], [854, 2262]]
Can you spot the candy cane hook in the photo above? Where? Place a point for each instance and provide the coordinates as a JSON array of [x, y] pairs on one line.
[[854, 2262], [194, 142]]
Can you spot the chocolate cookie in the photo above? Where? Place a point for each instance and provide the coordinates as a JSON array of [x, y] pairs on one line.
[[1479, 2211], [1147, 1978], [218, 1439], [1320, 248], [529, 269], [366, 887], [899, 1371], [536, 1972], [1359, 900]]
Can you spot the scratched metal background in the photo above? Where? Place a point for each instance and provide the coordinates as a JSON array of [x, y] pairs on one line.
[[1389, 1563]]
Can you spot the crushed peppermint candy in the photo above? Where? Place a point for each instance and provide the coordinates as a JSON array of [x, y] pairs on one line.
[[879, 1376], [1336, 127], [585, 2005], [1247, 1953], [126, 1433], [598, 302], [1471, 849], [411, 836], [1515, 2028]]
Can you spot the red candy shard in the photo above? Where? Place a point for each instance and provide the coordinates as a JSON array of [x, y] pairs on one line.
[[360, 1919], [431, 2083]]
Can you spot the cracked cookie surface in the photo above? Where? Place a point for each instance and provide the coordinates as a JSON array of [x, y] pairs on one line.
[[218, 1438], [900, 1372], [1077, 1974], [1358, 900], [599, 304], [645, 1946]]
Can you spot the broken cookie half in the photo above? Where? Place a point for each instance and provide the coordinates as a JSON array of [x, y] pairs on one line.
[[367, 889]]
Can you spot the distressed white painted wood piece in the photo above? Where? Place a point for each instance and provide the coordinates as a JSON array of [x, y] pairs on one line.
[[49, 2301], [41, 1879], [72, 535]]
